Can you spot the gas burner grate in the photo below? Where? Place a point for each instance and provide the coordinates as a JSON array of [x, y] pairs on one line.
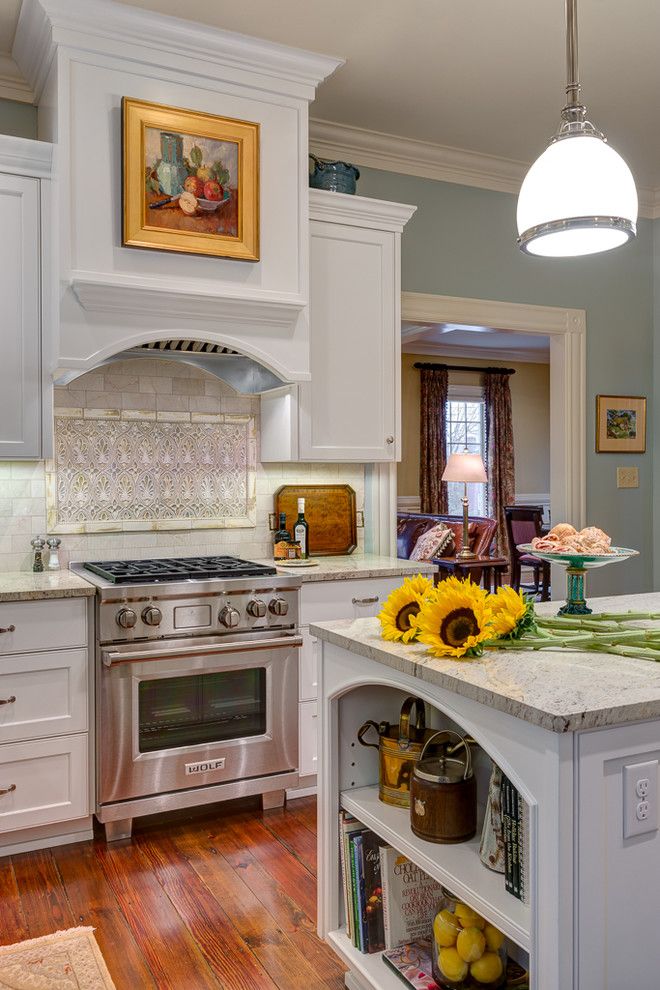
[[176, 569]]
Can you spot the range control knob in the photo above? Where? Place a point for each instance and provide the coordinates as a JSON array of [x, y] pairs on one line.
[[152, 615], [126, 618], [256, 608], [230, 617], [278, 606]]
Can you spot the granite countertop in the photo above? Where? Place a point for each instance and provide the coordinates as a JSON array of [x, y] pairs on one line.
[[562, 691], [363, 565], [26, 586]]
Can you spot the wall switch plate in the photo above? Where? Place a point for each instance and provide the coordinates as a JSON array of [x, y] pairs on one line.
[[640, 798], [627, 477]]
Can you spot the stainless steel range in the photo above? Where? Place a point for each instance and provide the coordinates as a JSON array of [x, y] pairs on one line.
[[196, 684]]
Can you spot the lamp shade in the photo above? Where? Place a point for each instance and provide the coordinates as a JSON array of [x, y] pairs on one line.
[[468, 468], [578, 198]]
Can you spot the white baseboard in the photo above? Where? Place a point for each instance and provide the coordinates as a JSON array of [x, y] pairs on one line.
[[27, 840], [300, 792]]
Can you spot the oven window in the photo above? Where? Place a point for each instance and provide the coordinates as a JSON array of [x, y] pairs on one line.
[[203, 708]]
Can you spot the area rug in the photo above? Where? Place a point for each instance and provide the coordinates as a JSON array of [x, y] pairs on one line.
[[69, 960]]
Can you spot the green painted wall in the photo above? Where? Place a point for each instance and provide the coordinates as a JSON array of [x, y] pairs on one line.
[[461, 242], [19, 119]]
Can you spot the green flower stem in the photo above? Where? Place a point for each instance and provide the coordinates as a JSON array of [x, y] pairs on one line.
[[622, 616]]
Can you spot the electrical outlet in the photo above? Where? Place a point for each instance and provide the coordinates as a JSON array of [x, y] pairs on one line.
[[640, 798], [627, 477]]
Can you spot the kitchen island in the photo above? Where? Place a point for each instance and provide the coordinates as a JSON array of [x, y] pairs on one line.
[[562, 726]]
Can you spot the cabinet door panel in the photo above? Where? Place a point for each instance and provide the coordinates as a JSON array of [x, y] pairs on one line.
[[43, 781], [20, 384], [49, 692], [308, 738], [309, 660], [349, 409]]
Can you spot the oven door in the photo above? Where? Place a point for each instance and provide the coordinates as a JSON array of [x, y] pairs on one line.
[[180, 715]]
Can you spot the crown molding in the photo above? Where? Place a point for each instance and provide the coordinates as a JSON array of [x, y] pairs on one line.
[[22, 156], [526, 355], [109, 27], [391, 153], [12, 84], [343, 208]]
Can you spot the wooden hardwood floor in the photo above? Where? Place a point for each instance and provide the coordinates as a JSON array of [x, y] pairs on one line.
[[220, 898]]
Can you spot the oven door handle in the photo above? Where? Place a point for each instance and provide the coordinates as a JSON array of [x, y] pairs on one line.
[[282, 642]]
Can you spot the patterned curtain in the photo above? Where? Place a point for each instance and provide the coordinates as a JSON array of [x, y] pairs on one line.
[[499, 452], [433, 451]]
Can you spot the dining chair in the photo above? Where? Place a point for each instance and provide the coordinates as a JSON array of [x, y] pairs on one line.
[[523, 523]]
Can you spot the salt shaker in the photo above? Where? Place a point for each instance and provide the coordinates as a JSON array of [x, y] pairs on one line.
[[38, 544], [54, 544]]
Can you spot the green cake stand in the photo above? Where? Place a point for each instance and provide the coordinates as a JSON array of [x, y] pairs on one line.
[[577, 565]]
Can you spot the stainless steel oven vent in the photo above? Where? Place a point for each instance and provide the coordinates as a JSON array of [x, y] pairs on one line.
[[242, 373]]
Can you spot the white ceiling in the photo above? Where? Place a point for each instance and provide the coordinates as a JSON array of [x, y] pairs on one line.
[[476, 75], [455, 340]]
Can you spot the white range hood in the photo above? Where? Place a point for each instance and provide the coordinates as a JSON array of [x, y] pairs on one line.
[[81, 57]]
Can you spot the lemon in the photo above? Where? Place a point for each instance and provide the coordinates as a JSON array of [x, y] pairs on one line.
[[487, 969], [445, 928], [469, 918], [451, 964], [470, 944], [494, 938]]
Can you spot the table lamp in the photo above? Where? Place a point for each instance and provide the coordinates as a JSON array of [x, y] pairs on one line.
[[468, 468]]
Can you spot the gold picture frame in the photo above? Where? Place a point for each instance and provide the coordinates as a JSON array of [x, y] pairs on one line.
[[190, 181], [620, 424]]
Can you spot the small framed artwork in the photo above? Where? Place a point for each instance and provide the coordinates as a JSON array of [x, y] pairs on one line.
[[190, 181], [620, 424]]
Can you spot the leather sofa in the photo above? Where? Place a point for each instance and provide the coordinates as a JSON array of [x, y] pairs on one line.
[[411, 525]]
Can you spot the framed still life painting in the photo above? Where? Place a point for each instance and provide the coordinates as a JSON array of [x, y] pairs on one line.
[[190, 181], [620, 424]]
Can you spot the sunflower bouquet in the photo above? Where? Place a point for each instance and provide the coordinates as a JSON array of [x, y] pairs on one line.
[[459, 619]]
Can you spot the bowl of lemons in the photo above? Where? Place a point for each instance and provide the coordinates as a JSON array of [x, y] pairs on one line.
[[469, 953]]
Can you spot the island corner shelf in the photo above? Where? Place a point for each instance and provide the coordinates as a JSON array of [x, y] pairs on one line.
[[367, 967], [456, 865]]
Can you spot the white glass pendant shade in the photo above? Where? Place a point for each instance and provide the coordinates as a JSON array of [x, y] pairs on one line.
[[578, 198]]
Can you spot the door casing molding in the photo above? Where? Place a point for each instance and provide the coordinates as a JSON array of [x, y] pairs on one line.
[[567, 329]]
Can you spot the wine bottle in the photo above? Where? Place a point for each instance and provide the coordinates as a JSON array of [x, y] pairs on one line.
[[301, 530], [282, 533]]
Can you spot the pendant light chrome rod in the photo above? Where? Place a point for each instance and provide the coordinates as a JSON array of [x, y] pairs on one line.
[[572, 75]]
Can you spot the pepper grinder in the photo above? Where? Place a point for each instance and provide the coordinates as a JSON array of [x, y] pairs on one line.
[[54, 544], [38, 544]]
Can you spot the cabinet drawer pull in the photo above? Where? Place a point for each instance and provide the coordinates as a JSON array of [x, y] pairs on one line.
[[8, 701], [366, 601], [7, 629], [7, 790]]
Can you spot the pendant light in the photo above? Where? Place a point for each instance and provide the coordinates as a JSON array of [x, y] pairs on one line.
[[579, 197]]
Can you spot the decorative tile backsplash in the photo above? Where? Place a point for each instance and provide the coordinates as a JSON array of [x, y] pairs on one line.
[[153, 390], [114, 472]]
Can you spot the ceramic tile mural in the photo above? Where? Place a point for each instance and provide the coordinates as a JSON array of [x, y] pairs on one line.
[[150, 391], [115, 472]]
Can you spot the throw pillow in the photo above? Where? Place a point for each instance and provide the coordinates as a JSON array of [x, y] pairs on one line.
[[436, 542]]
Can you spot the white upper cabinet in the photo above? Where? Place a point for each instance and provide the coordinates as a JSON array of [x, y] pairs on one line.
[[351, 408], [21, 391]]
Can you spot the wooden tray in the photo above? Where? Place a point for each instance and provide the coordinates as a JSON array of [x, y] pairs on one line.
[[331, 514]]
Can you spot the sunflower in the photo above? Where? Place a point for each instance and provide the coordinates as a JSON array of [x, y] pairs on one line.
[[455, 620], [513, 614], [400, 609]]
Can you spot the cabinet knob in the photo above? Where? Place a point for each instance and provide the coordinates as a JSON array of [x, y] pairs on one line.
[[8, 701], [8, 629], [7, 790], [389, 439]]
